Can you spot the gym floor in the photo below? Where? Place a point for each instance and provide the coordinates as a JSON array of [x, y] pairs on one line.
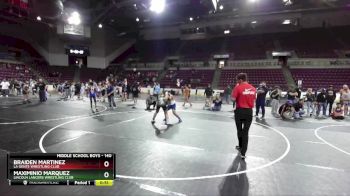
[[195, 157]]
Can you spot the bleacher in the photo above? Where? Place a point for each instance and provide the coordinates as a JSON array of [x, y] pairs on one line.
[[322, 78], [249, 47], [272, 77], [309, 43], [12, 71], [143, 76], [89, 73], [46, 71], [197, 78]]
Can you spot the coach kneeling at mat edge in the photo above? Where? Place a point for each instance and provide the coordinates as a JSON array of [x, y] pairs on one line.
[[244, 94]]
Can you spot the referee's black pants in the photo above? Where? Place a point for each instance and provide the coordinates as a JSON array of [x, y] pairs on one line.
[[42, 95], [243, 118]]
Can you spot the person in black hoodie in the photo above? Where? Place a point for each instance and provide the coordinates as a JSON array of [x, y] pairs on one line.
[[321, 102], [292, 94], [299, 93], [261, 98], [330, 96], [110, 94], [42, 87], [135, 89], [209, 92]]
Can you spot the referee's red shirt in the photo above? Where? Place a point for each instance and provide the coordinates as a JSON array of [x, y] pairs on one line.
[[245, 95]]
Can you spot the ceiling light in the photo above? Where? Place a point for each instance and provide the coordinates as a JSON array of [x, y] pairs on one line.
[[76, 51], [254, 22], [81, 52], [287, 2], [71, 51], [215, 4], [157, 6], [74, 18], [75, 14], [137, 19], [286, 22], [191, 19], [197, 28], [100, 26], [227, 31], [38, 18], [253, 1], [221, 7]]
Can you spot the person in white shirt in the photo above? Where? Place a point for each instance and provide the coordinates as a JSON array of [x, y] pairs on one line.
[[5, 88]]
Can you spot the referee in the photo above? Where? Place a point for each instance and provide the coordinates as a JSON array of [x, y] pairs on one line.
[[244, 94]]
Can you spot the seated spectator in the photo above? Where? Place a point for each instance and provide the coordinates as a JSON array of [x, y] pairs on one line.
[[338, 112], [217, 104], [286, 111]]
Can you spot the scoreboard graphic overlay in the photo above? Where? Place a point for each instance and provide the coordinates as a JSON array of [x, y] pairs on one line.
[[89, 169]]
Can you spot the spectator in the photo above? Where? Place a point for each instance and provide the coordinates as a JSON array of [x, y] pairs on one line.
[[26, 93], [5, 88], [217, 103], [310, 100], [286, 111], [321, 103], [275, 97], [42, 92], [77, 90], [209, 95], [5, 85], [298, 91], [345, 98], [156, 90], [227, 94], [186, 94], [261, 98], [17, 86], [330, 96], [338, 112], [135, 93], [67, 90], [292, 94], [110, 95], [125, 90]]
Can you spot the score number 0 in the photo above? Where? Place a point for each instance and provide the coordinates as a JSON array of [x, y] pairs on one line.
[[106, 164]]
